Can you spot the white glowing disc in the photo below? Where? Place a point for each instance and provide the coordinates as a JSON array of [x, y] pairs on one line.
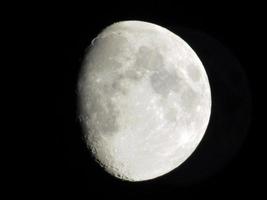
[[144, 100]]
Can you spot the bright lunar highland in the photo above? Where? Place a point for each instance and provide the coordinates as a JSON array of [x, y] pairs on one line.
[[144, 100]]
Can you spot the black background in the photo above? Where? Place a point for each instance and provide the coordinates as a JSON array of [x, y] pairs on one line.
[[228, 167]]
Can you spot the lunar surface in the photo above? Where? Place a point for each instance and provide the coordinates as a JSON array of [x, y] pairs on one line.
[[144, 100]]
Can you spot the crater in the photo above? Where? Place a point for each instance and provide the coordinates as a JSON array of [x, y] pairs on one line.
[[118, 86], [106, 48]]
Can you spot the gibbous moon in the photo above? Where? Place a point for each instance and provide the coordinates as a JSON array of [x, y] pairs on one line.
[[144, 100]]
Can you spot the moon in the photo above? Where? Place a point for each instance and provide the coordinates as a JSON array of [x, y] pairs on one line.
[[144, 100]]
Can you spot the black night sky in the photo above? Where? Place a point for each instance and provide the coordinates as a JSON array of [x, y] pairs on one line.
[[225, 165]]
